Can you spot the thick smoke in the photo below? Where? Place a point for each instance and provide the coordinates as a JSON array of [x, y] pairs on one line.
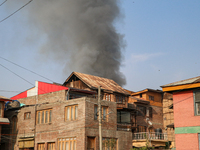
[[81, 34]]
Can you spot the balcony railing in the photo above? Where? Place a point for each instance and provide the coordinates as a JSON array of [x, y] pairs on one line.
[[150, 136]]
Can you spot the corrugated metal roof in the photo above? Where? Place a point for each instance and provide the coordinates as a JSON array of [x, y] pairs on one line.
[[95, 81], [182, 82], [4, 98]]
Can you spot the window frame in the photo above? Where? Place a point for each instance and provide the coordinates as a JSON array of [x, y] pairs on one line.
[[196, 101], [74, 116], [144, 111], [120, 99], [104, 115], [51, 146], [104, 146], [107, 97], [40, 146], [27, 115], [41, 116], [1, 109], [62, 143], [151, 97]]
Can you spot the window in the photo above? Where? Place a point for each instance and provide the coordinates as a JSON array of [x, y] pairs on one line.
[[51, 146], [150, 112], [151, 97], [1, 109], [71, 113], [142, 111], [140, 95], [120, 99], [41, 146], [123, 117], [27, 115], [67, 144], [141, 128], [197, 102], [44, 116], [107, 97], [109, 144], [75, 95], [104, 112]]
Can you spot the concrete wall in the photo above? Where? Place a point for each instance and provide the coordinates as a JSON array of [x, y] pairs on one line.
[[187, 125]]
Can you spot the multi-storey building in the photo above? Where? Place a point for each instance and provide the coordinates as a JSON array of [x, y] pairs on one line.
[[149, 118], [168, 118], [186, 108], [65, 116], [3, 121]]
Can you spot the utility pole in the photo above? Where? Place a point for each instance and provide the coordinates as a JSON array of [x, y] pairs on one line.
[[100, 130]]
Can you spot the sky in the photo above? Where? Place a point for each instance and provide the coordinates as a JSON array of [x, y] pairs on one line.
[[161, 37]]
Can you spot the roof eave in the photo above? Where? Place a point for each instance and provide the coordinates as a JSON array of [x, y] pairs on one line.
[[180, 87]]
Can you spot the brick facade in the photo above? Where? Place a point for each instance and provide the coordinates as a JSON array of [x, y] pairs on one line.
[[84, 127]]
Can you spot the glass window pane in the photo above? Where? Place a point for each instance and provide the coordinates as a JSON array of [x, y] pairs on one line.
[[74, 145], [50, 115], [76, 112], [72, 113], [38, 117], [198, 108], [104, 113], [46, 116], [71, 145], [68, 112], [67, 146], [42, 117], [60, 146]]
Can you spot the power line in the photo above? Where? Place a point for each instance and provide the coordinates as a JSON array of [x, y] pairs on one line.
[[15, 11], [3, 2], [16, 74], [25, 68]]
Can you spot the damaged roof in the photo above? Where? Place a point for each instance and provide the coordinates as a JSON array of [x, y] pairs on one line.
[[94, 82]]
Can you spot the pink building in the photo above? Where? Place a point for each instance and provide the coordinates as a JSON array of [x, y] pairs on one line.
[[186, 106]]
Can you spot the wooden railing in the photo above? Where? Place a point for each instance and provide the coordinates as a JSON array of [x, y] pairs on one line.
[[150, 136]]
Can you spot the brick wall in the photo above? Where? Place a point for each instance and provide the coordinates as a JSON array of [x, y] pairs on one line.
[[85, 126]]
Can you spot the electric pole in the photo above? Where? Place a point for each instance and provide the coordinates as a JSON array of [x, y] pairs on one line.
[[99, 108]]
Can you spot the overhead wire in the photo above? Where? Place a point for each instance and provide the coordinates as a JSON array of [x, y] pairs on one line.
[[16, 74], [26, 69], [3, 2], [15, 11]]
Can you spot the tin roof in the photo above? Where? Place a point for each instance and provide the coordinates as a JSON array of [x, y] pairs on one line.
[[2, 98], [146, 90], [182, 82], [94, 82]]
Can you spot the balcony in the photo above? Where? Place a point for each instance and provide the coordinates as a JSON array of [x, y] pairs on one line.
[[125, 126], [154, 139]]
